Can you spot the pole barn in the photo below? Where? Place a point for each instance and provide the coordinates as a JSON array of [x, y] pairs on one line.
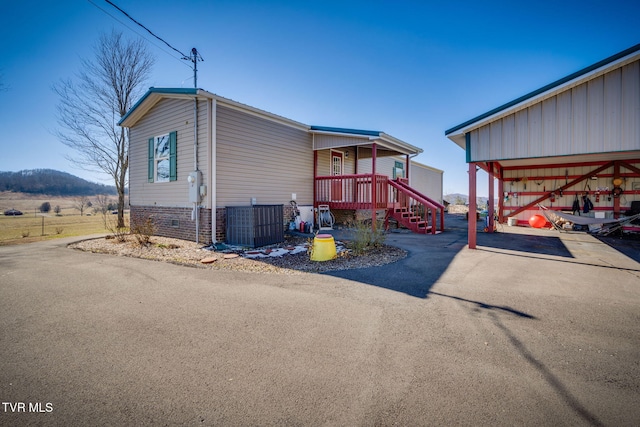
[[576, 137]]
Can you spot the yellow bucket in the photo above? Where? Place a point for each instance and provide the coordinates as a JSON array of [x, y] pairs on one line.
[[324, 248]]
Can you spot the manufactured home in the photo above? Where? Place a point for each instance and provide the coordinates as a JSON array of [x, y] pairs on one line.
[[196, 157]]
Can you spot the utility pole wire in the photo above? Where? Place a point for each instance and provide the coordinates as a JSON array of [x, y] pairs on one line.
[[148, 30], [194, 56], [136, 32]]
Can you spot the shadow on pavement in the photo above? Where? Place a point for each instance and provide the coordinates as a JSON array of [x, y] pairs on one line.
[[541, 245], [429, 257], [628, 244]]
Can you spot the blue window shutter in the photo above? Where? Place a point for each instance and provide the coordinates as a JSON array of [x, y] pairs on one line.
[[173, 156], [150, 164]]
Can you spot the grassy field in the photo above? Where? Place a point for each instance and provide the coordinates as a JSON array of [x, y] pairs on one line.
[[29, 227]]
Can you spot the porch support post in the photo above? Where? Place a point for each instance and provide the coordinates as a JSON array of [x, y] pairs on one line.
[[500, 195], [472, 206], [374, 186], [616, 200], [315, 183], [490, 202]]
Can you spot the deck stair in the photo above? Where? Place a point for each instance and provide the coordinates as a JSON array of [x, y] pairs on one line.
[[410, 220], [414, 210]]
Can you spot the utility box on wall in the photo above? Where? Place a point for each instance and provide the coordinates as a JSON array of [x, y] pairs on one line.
[[254, 226], [195, 181]]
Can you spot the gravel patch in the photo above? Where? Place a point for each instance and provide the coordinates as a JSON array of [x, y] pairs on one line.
[[192, 254]]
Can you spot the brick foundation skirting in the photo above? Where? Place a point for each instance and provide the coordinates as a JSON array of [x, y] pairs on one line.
[[174, 222]]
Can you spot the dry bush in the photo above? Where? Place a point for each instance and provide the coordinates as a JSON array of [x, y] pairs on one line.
[[143, 231]]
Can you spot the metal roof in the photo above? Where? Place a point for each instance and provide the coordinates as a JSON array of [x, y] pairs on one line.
[[346, 131], [546, 88], [155, 90]]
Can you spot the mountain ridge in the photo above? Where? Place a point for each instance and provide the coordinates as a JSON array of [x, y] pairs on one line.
[[51, 182]]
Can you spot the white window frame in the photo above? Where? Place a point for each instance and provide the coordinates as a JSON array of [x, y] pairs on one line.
[[160, 157]]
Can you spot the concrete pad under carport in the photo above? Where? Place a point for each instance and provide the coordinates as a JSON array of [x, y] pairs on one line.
[[502, 336]]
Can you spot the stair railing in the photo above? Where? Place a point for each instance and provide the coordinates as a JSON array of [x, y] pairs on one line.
[[417, 204]]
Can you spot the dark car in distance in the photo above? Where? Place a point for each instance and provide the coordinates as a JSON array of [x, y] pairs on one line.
[[12, 212]]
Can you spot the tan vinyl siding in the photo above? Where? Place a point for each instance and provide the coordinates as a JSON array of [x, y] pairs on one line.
[[262, 159], [335, 141], [167, 116], [600, 115], [426, 180], [348, 161], [384, 165], [423, 178]]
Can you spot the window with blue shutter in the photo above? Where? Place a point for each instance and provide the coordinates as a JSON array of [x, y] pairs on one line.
[[151, 160]]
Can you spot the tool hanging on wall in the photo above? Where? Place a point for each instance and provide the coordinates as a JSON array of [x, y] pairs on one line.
[[617, 190], [524, 181]]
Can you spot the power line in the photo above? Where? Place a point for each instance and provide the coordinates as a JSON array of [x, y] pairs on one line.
[[148, 30], [194, 56], [141, 35]]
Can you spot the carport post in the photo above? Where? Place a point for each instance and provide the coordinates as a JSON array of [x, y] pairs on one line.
[[472, 206], [374, 187], [616, 200], [500, 195], [490, 202]]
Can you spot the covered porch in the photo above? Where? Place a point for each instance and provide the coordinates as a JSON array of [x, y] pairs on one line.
[[369, 171]]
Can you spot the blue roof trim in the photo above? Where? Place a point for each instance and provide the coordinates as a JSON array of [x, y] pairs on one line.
[[547, 87], [168, 91], [343, 130]]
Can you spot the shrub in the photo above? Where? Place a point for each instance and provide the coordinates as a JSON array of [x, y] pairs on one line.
[[143, 231], [119, 233], [365, 238], [59, 230], [45, 207], [25, 233]]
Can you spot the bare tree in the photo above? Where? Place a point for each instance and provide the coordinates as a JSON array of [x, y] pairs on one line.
[[91, 106], [101, 206], [80, 203]]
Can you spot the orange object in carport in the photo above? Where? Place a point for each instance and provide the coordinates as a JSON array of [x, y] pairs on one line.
[[537, 221]]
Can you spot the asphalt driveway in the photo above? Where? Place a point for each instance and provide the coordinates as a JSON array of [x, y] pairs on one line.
[[527, 330]]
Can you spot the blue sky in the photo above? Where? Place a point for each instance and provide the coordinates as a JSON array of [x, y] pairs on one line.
[[409, 68]]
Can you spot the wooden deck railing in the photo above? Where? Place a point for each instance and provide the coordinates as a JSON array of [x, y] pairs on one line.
[[421, 209], [353, 191]]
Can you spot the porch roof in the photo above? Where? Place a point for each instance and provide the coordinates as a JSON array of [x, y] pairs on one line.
[[362, 138]]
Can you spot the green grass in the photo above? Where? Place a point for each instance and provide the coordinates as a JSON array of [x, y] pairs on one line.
[[12, 228]]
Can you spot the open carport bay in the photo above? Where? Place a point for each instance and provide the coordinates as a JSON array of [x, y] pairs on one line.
[[540, 334]]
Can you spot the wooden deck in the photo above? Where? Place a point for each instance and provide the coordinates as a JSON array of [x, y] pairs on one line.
[[377, 192]]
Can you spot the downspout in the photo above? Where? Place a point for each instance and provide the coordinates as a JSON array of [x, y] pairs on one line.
[[213, 167], [409, 157], [196, 207]]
